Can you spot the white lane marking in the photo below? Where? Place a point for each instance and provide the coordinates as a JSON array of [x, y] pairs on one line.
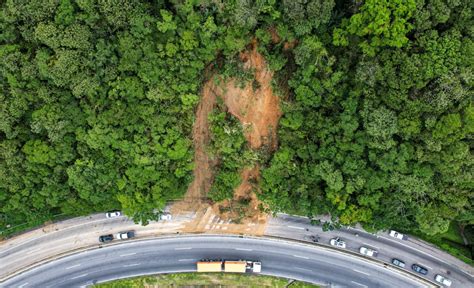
[[243, 249], [128, 254], [361, 285], [361, 272], [77, 265], [183, 260], [185, 248], [298, 256], [426, 266], [131, 265], [304, 269], [295, 227], [23, 285], [32, 251], [82, 275], [371, 245]]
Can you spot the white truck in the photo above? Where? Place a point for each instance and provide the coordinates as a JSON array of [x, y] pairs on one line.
[[239, 266]]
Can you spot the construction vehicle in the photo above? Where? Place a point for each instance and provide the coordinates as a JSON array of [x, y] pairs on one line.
[[239, 266]]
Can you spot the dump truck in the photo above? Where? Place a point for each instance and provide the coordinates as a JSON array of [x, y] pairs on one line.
[[239, 266]]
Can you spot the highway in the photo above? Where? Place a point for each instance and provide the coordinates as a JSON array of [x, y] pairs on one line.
[[179, 254], [66, 237], [411, 251]]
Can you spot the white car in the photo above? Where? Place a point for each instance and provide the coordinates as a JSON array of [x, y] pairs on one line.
[[113, 214], [368, 252], [125, 235], [165, 216], [337, 242], [440, 279], [397, 235]]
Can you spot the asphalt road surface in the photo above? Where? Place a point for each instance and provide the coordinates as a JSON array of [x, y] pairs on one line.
[[23, 251], [179, 254], [411, 251], [26, 249]]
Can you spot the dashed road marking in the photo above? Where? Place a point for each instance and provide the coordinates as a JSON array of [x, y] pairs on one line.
[[131, 265], [304, 269], [184, 260], [371, 245], [243, 249], [357, 283], [70, 267], [128, 254], [298, 256], [183, 248], [295, 227], [82, 275], [426, 266], [361, 272], [23, 285]]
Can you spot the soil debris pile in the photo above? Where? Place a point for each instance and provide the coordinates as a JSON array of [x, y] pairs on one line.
[[257, 108], [254, 105]]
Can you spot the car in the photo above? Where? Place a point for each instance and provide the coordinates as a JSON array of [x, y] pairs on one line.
[[397, 235], [398, 262], [368, 252], [337, 242], [125, 235], [314, 238], [165, 216], [441, 279], [113, 214], [106, 238], [419, 269]]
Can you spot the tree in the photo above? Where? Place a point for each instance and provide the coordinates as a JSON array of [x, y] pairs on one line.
[[384, 23]]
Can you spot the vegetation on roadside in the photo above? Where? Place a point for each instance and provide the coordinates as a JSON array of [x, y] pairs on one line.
[[203, 280], [453, 243]]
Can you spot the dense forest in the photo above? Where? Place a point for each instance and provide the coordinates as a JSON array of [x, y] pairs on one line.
[[98, 98]]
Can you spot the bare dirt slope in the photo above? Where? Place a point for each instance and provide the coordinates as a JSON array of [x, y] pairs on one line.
[[255, 105], [257, 108], [203, 175]]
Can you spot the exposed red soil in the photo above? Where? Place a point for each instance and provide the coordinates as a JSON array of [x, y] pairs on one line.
[[255, 105], [257, 108], [274, 35], [203, 175]]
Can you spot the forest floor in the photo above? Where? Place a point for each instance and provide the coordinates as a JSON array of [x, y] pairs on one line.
[[258, 110]]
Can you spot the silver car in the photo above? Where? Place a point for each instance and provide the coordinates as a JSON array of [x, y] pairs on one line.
[[337, 242]]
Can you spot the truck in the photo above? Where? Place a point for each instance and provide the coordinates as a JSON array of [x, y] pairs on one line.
[[231, 266]]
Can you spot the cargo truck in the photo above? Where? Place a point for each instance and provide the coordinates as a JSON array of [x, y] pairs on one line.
[[240, 266]]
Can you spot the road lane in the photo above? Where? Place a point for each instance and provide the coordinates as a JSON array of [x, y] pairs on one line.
[[159, 255], [408, 251]]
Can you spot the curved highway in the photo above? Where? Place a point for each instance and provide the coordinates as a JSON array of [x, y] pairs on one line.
[[179, 254]]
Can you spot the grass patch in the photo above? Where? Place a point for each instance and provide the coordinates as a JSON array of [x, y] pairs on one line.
[[203, 280]]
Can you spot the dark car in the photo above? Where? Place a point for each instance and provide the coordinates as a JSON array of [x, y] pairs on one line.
[[419, 269], [398, 262], [106, 238]]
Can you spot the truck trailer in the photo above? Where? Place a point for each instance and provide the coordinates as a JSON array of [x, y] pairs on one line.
[[239, 266]]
